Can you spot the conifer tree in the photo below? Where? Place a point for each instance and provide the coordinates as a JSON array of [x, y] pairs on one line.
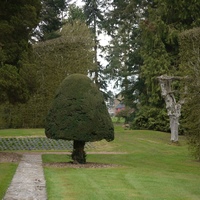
[[18, 20], [123, 58], [93, 10], [52, 15], [75, 14]]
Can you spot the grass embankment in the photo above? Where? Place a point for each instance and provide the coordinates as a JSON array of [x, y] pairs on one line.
[[7, 171], [152, 169], [22, 133]]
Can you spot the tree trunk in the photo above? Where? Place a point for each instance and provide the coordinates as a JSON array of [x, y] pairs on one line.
[[173, 108], [174, 128], [78, 154]]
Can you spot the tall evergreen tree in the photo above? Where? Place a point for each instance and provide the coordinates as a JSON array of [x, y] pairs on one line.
[[93, 10], [75, 14], [18, 19], [52, 15], [123, 53]]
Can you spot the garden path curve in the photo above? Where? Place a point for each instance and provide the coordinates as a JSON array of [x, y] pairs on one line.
[[28, 181]]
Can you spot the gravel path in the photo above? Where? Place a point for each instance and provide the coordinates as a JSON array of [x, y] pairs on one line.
[[28, 182]]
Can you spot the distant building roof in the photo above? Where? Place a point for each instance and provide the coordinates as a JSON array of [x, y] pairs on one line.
[[120, 105]]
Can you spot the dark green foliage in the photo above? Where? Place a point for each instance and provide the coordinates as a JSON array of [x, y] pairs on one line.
[[144, 46], [160, 52], [70, 53], [17, 22], [149, 50], [79, 112], [123, 52], [75, 14], [149, 118], [12, 85], [51, 18], [190, 66], [93, 10]]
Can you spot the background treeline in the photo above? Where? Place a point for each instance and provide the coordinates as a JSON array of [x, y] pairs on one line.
[[144, 44]]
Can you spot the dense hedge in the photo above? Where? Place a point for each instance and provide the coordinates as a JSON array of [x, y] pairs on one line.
[[38, 143], [190, 66]]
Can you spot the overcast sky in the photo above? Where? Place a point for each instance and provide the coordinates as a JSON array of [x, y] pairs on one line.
[[78, 2]]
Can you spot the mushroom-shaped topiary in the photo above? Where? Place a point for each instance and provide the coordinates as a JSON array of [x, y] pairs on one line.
[[79, 113]]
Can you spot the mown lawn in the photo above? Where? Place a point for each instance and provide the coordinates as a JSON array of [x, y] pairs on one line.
[[21, 132], [7, 171], [152, 169]]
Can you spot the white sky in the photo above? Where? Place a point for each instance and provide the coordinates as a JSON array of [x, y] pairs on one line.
[[78, 2]]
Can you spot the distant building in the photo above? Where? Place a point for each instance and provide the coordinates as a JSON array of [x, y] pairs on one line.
[[115, 105], [119, 107]]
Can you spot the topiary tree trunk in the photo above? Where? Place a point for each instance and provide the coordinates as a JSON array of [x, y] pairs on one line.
[[78, 154]]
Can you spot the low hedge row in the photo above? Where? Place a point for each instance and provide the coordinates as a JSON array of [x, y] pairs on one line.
[[38, 143]]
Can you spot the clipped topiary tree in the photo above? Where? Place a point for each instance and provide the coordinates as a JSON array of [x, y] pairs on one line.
[[79, 113]]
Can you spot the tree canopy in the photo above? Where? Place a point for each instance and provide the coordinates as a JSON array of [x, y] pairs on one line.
[[79, 112], [145, 46], [52, 14], [93, 10], [18, 20]]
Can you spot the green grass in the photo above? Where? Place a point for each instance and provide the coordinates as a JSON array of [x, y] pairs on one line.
[[21, 132], [117, 120], [152, 169], [7, 171]]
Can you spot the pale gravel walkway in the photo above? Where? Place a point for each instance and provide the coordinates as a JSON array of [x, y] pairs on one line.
[[28, 182]]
